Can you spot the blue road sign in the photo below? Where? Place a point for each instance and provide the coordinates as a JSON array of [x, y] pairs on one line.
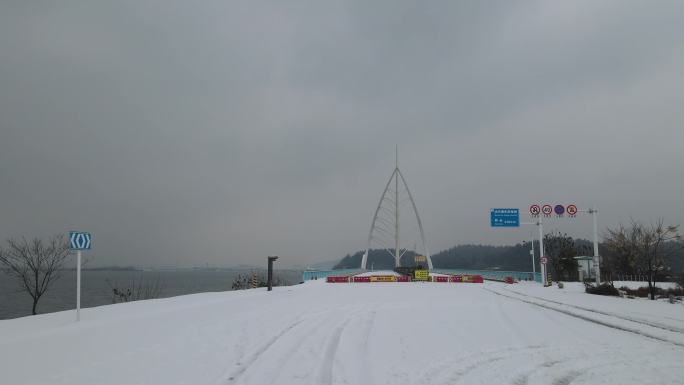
[[559, 210], [505, 218], [79, 240]]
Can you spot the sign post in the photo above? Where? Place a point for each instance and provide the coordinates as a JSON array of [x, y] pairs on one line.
[[271, 259], [511, 218], [79, 241], [571, 210]]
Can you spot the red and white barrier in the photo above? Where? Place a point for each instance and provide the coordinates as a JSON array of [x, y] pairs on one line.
[[337, 279], [465, 278]]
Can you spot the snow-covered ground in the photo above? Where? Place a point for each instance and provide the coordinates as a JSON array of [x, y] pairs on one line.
[[359, 334]]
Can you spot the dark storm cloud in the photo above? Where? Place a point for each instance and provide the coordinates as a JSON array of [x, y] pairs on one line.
[[184, 133]]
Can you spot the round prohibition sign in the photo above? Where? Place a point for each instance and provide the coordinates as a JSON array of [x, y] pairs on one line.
[[544, 260], [571, 210], [534, 210], [547, 209]]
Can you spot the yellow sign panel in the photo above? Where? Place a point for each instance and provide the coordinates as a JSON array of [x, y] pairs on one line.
[[421, 275], [383, 278], [420, 258]]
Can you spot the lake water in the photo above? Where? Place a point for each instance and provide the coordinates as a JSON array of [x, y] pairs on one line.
[[96, 291]]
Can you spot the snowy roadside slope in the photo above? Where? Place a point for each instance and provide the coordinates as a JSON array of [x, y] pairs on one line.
[[639, 314], [318, 333]]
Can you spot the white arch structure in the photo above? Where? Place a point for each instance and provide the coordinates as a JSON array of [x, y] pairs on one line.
[[396, 176]]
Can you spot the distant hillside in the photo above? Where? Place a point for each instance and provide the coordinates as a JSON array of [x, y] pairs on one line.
[[485, 257], [459, 257], [480, 257], [378, 259]]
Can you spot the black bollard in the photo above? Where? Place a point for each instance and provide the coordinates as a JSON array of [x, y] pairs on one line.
[[270, 272]]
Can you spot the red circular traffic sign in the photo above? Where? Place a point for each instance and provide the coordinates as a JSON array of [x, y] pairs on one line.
[[571, 210], [544, 260], [534, 209], [547, 209]]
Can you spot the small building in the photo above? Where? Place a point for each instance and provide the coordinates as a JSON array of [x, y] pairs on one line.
[[584, 267]]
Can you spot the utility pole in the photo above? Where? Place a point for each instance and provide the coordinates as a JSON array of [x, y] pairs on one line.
[[597, 262], [534, 267], [597, 259], [397, 263], [541, 250], [270, 272]]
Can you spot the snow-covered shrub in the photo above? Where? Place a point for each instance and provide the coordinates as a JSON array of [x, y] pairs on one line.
[[138, 289], [602, 289]]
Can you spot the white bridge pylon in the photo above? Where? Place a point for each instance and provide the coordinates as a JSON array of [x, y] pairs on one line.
[[377, 228]]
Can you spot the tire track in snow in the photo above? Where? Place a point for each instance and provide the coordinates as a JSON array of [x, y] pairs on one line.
[[589, 319], [586, 363], [246, 364], [450, 371], [456, 376], [567, 378], [365, 354], [311, 321], [635, 320], [548, 361], [523, 379], [297, 348], [282, 358], [509, 324], [326, 371], [503, 355], [293, 351], [327, 363]]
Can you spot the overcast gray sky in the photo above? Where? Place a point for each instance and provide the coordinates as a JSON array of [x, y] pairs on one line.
[[183, 133]]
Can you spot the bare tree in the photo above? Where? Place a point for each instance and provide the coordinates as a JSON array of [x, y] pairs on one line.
[[644, 248], [622, 244], [35, 264]]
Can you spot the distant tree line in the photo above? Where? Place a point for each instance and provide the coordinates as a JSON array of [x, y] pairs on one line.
[[479, 257]]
